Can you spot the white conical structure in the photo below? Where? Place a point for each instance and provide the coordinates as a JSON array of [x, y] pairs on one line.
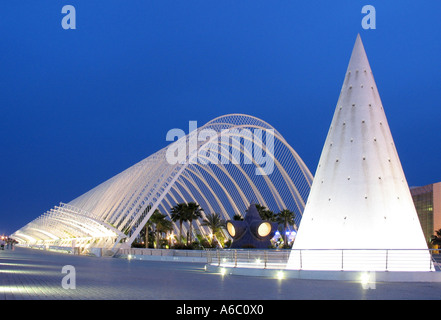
[[359, 198]]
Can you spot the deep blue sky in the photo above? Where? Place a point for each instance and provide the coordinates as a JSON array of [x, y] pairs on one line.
[[79, 106]]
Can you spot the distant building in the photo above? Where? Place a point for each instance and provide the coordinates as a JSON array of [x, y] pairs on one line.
[[427, 200]]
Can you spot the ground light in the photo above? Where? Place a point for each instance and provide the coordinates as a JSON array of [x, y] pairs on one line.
[[367, 280], [280, 275]]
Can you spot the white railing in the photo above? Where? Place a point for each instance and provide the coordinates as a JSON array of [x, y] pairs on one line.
[[301, 259], [163, 252], [252, 258], [328, 259]]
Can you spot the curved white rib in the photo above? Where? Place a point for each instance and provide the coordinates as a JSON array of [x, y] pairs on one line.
[[116, 209]]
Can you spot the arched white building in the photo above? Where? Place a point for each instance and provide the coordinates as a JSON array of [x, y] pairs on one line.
[[223, 166]]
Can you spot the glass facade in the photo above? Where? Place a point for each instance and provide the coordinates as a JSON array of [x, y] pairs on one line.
[[426, 203]]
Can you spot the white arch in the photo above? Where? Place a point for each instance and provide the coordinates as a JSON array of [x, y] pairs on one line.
[[117, 206]]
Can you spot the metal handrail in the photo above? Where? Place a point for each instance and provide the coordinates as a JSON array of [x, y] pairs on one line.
[[278, 258], [386, 259]]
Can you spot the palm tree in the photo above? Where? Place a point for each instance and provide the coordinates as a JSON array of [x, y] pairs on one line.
[[436, 238], [146, 227], [179, 213], [143, 236], [194, 211], [161, 224], [286, 218], [265, 213], [215, 223]]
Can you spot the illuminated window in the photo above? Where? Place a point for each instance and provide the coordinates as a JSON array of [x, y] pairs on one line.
[[264, 229], [231, 230]]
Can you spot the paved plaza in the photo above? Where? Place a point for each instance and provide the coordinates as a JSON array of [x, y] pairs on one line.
[[35, 274]]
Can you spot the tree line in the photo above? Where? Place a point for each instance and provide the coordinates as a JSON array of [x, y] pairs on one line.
[[158, 231]]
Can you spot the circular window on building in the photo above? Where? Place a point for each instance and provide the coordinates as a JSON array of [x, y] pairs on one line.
[[231, 230], [264, 229]]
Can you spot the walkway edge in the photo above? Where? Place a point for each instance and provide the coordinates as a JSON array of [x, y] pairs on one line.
[[359, 276]]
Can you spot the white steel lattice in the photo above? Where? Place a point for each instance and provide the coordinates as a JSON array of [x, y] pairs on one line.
[[219, 174]]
